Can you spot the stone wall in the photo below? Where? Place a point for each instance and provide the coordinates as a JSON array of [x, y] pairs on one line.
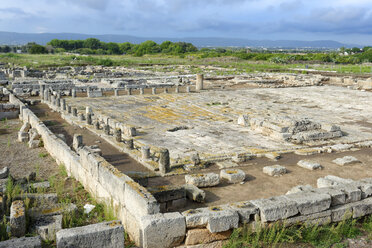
[[129, 200], [8, 111]]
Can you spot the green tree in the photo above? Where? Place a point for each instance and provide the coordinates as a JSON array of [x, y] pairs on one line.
[[92, 43], [37, 49]]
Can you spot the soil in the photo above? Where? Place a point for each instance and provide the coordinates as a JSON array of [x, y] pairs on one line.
[[57, 125], [19, 158], [259, 185]]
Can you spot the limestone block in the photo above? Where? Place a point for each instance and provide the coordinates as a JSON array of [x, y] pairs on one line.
[[243, 120], [204, 236], [320, 218], [162, 230], [215, 244], [272, 155], [18, 219], [340, 147], [300, 188], [4, 173], [39, 199], [203, 180], [34, 144], [341, 212], [233, 175], [24, 242], [194, 193], [338, 197], [216, 219], [167, 193], [276, 208], [48, 226], [25, 127], [347, 160], [309, 165], [222, 220], [275, 170], [246, 211], [226, 164], [105, 234], [309, 202], [22, 136], [352, 193], [77, 141], [362, 208], [49, 210]]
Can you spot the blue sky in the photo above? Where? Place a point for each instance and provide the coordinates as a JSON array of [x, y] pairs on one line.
[[347, 21]]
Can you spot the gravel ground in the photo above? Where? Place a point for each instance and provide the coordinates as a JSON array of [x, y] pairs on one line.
[[19, 158]]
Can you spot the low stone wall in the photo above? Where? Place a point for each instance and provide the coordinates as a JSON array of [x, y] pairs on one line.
[[8, 111], [129, 200]]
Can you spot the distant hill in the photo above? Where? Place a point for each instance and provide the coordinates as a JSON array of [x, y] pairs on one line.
[[12, 38]]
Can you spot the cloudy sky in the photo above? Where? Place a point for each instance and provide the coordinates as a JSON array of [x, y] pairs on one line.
[[342, 20]]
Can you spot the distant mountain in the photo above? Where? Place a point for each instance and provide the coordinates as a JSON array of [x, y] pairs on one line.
[[11, 38]]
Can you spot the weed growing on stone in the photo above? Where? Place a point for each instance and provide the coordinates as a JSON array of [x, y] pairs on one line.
[[330, 235], [43, 155], [4, 235], [12, 190]]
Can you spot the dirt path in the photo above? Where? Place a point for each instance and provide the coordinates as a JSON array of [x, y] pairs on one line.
[[58, 125], [19, 158]]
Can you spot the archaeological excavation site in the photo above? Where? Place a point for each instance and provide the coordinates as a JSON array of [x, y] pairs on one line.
[[181, 159]]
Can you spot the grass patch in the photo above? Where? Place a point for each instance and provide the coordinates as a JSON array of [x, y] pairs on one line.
[[43, 155], [330, 235]]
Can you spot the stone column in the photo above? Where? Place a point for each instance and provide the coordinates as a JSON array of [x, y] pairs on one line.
[[96, 125], [145, 150], [116, 92], [77, 141], [177, 90], [118, 135], [153, 91], [129, 91], [64, 104], [107, 129], [18, 219], [88, 110], [165, 90], [74, 112], [81, 117], [73, 93], [53, 98], [58, 102], [142, 91], [130, 144], [42, 89], [89, 119], [199, 82], [46, 95], [164, 161], [69, 109], [187, 89]]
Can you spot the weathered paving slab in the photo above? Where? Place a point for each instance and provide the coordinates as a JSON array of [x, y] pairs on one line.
[[24, 242], [204, 236], [48, 226], [214, 126], [105, 234]]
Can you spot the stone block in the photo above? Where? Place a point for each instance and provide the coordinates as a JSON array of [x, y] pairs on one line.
[[320, 218], [48, 226], [4, 173], [203, 180], [246, 211], [216, 219], [338, 197], [34, 144], [24, 242], [167, 193], [276, 208], [226, 164], [309, 165], [341, 212], [347, 160], [18, 219], [106, 234], [25, 127], [275, 170], [309, 202], [204, 236], [39, 199], [233, 175], [162, 230], [22, 136], [194, 193]]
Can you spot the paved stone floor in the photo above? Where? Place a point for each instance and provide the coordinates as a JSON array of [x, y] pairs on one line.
[[211, 116]]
